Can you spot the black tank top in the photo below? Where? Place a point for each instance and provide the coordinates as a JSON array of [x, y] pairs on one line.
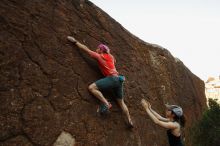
[[174, 140]]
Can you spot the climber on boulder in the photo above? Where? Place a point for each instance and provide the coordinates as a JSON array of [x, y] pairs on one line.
[[174, 121], [112, 79]]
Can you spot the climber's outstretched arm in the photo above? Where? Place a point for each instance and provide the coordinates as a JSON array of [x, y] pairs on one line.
[[80, 45]]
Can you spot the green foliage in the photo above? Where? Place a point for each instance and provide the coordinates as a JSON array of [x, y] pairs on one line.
[[207, 131]]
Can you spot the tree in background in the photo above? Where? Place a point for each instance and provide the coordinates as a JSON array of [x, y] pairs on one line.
[[207, 131]]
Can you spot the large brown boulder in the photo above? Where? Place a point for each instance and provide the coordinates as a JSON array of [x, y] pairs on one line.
[[44, 78]]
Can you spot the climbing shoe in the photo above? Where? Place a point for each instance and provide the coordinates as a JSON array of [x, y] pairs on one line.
[[104, 109]]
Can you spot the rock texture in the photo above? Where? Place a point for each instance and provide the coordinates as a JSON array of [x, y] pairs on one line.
[[44, 78]]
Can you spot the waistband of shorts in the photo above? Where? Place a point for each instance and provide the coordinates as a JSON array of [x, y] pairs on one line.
[[113, 75]]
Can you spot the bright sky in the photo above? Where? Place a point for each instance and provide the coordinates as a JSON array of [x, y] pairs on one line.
[[189, 29]]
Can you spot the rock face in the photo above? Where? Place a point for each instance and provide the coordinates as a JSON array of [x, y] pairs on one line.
[[44, 78]]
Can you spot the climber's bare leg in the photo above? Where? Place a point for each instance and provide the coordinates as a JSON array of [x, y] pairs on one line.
[[94, 90], [125, 111]]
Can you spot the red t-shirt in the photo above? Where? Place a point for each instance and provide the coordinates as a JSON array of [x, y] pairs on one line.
[[106, 63]]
